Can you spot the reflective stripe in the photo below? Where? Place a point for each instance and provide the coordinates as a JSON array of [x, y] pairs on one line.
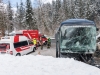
[[24, 48], [16, 39]]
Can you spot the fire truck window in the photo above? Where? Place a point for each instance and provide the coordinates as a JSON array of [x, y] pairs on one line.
[[19, 44], [43, 36]]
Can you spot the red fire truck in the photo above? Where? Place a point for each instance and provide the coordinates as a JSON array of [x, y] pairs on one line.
[[31, 34]]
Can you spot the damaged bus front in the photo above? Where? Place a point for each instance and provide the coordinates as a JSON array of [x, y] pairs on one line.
[[76, 38]]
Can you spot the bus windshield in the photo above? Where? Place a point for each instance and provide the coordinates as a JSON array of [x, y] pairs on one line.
[[78, 38]]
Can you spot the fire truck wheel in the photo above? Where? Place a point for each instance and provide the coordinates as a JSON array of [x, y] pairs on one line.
[[18, 54], [33, 49]]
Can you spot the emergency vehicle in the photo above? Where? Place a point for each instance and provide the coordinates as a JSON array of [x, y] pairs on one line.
[[16, 45], [31, 34]]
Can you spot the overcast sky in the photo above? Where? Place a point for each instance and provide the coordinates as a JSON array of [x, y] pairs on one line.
[[13, 2]]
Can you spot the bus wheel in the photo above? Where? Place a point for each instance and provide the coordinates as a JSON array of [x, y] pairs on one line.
[[18, 54]]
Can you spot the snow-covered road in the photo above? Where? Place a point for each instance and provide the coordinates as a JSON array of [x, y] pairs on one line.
[[45, 51]]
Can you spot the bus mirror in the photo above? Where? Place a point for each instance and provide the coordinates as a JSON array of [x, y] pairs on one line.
[[97, 29]]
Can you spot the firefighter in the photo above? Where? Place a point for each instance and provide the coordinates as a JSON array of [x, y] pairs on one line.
[[35, 42], [48, 43], [41, 43]]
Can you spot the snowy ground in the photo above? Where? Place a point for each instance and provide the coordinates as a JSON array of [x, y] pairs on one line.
[[45, 51], [43, 65]]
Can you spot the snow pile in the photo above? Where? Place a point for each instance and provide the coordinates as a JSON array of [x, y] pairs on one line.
[[43, 65], [12, 33]]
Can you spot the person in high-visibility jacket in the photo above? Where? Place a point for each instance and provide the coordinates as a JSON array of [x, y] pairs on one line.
[[48, 43], [41, 43], [34, 41]]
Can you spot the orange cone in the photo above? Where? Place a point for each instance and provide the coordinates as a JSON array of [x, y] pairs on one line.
[[39, 53]]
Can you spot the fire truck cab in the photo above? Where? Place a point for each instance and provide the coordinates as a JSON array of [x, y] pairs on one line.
[[16, 45]]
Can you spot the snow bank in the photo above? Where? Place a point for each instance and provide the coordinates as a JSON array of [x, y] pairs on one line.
[[43, 65], [12, 33]]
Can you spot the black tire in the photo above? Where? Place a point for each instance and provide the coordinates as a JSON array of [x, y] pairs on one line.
[[97, 53], [18, 54], [33, 49], [45, 43]]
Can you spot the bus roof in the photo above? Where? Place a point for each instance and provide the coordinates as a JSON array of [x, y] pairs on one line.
[[78, 22]]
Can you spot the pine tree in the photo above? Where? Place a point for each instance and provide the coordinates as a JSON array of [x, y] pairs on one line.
[[30, 19], [21, 15], [16, 19], [10, 17], [58, 5], [53, 12], [2, 23], [65, 9]]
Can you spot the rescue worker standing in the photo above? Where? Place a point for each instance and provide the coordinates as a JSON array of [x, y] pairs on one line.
[[48, 43], [35, 42], [41, 43]]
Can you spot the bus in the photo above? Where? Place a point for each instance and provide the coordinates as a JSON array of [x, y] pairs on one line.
[[76, 38]]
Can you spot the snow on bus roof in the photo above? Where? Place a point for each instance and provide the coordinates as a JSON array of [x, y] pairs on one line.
[[78, 22]]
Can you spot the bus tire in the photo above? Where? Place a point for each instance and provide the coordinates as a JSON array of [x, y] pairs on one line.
[[18, 54]]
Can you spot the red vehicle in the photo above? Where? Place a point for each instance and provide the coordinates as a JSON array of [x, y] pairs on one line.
[[31, 34]]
